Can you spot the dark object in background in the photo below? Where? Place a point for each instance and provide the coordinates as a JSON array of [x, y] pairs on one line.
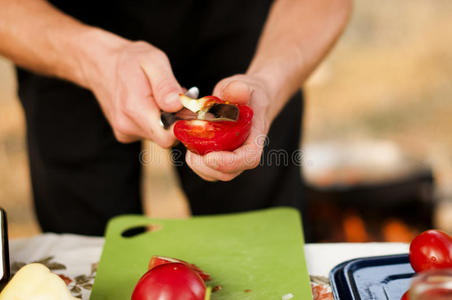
[[379, 277], [393, 211], [4, 253]]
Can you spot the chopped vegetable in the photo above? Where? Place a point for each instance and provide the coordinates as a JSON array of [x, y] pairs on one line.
[[287, 296], [202, 137]]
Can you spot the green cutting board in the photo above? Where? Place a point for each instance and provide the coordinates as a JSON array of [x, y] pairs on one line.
[[254, 255]]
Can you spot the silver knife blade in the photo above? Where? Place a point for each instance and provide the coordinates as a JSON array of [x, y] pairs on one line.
[[217, 112], [223, 112], [4, 256], [192, 93]]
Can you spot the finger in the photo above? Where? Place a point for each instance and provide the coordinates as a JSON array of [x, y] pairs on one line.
[[149, 120], [193, 163], [234, 91], [125, 139], [246, 157], [197, 164], [164, 86], [142, 112]]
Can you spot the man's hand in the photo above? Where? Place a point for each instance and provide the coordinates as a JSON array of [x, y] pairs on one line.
[[224, 165], [133, 83], [296, 37]]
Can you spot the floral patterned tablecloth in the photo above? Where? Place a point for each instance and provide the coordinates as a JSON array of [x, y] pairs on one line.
[[75, 259]]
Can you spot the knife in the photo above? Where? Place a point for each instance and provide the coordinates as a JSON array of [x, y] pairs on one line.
[[4, 256], [216, 113]]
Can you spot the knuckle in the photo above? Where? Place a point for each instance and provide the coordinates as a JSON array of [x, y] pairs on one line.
[[166, 144], [159, 55], [156, 57], [164, 86], [164, 141], [141, 44], [190, 163], [226, 176], [254, 163], [254, 158], [140, 47], [225, 81], [121, 137], [210, 179], [224, 166], [122, 126], [128, 109]]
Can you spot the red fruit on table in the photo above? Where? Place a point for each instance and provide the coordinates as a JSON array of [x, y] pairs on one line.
[[202, 137], [171, 281], [430, 250]]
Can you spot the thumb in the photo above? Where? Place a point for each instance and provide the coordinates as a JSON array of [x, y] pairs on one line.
[[234, 91], [165, 88]]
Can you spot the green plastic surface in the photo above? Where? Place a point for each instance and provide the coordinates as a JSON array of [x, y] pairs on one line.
[[254, 255]]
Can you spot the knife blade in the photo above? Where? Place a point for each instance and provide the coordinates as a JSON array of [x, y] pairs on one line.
[[216, 113], [193, 92], [4, 256]]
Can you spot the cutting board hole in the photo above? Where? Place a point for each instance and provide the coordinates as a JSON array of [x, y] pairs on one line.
[[138, 230]]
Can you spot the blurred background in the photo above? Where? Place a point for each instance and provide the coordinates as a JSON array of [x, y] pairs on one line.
[[377, 148]]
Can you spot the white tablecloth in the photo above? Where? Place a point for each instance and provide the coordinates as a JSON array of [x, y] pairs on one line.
[[79, 255]]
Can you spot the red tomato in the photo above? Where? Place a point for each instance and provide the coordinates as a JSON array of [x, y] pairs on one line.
[[160, 260], [171, 281], [405, 296], [431, 249], [203, 137]]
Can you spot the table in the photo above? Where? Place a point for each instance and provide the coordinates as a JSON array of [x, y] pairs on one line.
[[77, 256]]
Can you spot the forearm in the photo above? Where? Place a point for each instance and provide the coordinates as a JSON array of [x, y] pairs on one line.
[[37, 36], [132, 81], [296, 37]]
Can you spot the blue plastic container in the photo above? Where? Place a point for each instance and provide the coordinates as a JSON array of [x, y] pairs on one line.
[[372, 278]]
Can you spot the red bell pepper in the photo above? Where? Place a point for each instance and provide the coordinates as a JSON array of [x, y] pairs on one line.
[[202, 137]]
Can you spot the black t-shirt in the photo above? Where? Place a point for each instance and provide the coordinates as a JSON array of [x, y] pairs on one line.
[[82, 176], [206, 41]]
